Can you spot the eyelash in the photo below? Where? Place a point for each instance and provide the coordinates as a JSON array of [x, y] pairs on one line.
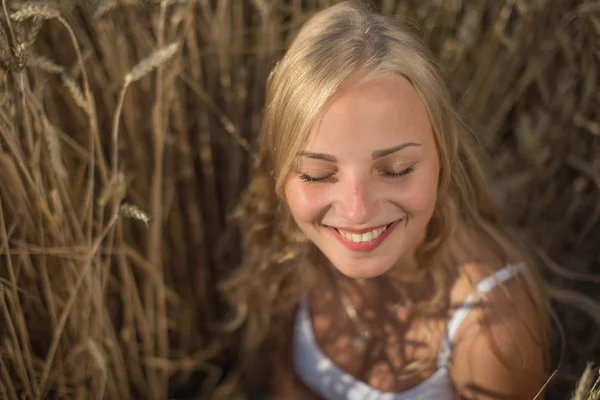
[[387, 174]]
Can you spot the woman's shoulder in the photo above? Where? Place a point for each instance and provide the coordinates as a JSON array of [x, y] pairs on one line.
[[476, 259], [499, 349]]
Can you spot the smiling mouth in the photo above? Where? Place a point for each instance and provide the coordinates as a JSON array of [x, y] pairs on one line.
[[363, 237], [363, 241]]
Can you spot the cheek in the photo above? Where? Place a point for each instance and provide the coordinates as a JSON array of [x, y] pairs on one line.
[[420, 194], [306, 202]]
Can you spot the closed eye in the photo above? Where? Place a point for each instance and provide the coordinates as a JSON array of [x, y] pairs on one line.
[[310, 178], [329, 177], [397, 174]]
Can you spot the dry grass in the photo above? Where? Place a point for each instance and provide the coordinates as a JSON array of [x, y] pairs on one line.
[[588, 387], [126, 130]]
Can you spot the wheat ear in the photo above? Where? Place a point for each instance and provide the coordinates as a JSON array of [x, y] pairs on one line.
[[152, 62]]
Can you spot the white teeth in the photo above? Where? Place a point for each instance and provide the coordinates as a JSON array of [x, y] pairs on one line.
[[365, 237]]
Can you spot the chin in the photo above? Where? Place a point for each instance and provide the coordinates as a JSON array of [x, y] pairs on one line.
[[361, 271]]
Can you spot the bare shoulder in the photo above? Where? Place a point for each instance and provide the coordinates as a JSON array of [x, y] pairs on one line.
[[498, 351]]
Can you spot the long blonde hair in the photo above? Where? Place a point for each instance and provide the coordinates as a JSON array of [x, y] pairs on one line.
[[340, 41]]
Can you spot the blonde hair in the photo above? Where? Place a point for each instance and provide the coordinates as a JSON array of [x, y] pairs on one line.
[[339, 42]]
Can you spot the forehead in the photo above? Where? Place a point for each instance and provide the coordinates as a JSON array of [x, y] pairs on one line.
[[378, 112]]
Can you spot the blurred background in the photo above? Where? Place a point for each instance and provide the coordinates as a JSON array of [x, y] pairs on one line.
[[127, 134]]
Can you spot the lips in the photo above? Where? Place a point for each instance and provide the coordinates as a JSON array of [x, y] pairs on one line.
[[362, 237], [365, 239]]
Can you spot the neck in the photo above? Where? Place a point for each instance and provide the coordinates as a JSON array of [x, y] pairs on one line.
[[404, 271], [385, 288]]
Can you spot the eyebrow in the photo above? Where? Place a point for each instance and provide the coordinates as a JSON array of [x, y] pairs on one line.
[[386, 152], [375, 155]]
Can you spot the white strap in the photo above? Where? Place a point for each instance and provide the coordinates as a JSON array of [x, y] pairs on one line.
[[483, 287]]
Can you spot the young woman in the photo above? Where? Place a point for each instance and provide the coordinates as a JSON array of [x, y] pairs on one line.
[[376, 265]]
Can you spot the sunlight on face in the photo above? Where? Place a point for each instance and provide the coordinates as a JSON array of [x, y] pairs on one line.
[[365, 185]]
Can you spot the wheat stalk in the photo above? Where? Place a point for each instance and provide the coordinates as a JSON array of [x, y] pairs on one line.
[[132, 211], [156, 292], [85, 102], [587, 386], [35, 11], [140, 70], [45, 64], [104, 7], [150, 63], [584, 384], [4, 45], [187, 173], [115, 187], [75, 91], [100, 361], [70, 302], [54, 152]]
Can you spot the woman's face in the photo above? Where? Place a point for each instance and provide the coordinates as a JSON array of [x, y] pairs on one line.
[[365, 185]]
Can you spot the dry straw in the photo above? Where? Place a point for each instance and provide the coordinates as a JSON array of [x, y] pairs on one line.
[[54, 150], [75, 91], [35, 11], [44, 64], [149, 64], [117, 107], [588, 387], [131, 211]]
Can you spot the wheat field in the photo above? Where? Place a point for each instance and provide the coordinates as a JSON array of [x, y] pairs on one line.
[[127, 134]]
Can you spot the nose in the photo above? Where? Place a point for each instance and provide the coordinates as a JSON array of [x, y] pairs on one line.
[[356, 200]]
